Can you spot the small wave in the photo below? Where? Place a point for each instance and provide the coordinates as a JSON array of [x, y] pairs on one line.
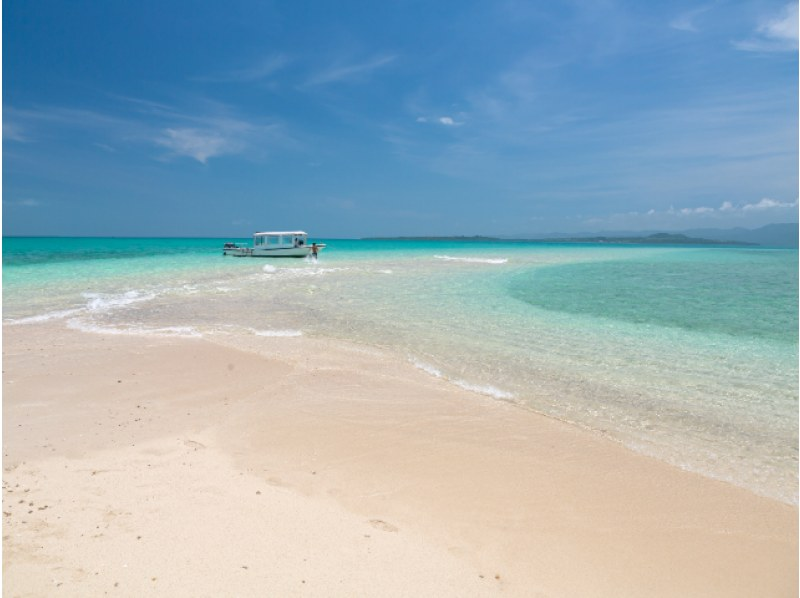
[[172, 331], [283, 333], [472, 260], [428, 369], [96, 302], [52, 315], [484, 390], [104, 301], [306, 272], [269, 269]]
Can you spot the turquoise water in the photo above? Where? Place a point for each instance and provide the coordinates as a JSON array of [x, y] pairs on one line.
[[688, 354]]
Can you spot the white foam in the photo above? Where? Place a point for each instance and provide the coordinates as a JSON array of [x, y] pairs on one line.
[[490, 391], [428, 369], [96, 302], [284, 333], [269, 269], [52, 315], [172, 331], [472, 260], [307, 272], [105, 302]]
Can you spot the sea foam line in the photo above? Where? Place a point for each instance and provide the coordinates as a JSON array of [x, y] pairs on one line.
[[96, 302], [298, 272], [51, 315], [106, 301], [490, 391], [277, 333], [171, 331], [472, 260]]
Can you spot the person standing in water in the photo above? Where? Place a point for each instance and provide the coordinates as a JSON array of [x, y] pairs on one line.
[[314, 251]]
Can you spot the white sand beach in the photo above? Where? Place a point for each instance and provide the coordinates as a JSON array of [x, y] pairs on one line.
[[137, 465]]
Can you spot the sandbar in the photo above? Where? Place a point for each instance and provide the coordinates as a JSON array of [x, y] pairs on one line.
[[143, 465]]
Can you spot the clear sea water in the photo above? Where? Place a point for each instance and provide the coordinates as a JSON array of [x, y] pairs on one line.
[[687, 354]]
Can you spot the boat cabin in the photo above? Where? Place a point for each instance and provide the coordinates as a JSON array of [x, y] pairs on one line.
[[279, 240]]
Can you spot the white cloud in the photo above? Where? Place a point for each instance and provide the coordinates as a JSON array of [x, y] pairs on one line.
[[729, 208], [700, 210], [197, 144], [763, 212], [447, 121], [768, 204], [206, 138], [778, 33]]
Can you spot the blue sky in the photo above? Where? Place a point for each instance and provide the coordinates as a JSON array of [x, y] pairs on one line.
[[350, 119]]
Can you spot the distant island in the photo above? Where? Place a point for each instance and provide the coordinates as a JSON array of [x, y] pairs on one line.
[[779, 235], [654, 239]]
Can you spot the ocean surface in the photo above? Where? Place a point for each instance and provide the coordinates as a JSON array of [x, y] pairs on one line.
[[687, 354]]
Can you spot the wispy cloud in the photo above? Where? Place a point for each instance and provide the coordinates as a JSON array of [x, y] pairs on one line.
[[12, 131], [260, 70], [447, 121], [200, 136], [23, 203], [349, 72], [688, 21], [36, 120], [197, 144], [211, 137], [776, 33]]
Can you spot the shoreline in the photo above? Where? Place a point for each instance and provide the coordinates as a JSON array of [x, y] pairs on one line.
[[306, 452]]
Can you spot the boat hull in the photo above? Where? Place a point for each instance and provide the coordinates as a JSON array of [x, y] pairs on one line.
[[276, 252]]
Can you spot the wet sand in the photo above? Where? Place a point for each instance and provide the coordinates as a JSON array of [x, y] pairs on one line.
[[302, 467]]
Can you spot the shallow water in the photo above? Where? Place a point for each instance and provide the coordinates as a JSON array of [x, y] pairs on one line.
[[687, 354]]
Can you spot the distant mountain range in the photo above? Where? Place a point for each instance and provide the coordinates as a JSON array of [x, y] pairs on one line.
[[771, 235]]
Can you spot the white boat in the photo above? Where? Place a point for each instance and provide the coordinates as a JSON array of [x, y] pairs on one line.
[[275, 244]]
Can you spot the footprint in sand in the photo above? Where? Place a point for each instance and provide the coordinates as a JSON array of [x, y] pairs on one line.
[[382, 525], [194, 444]]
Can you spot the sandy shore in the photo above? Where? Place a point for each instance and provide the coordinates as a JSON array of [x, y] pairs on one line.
[[179, 467]]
